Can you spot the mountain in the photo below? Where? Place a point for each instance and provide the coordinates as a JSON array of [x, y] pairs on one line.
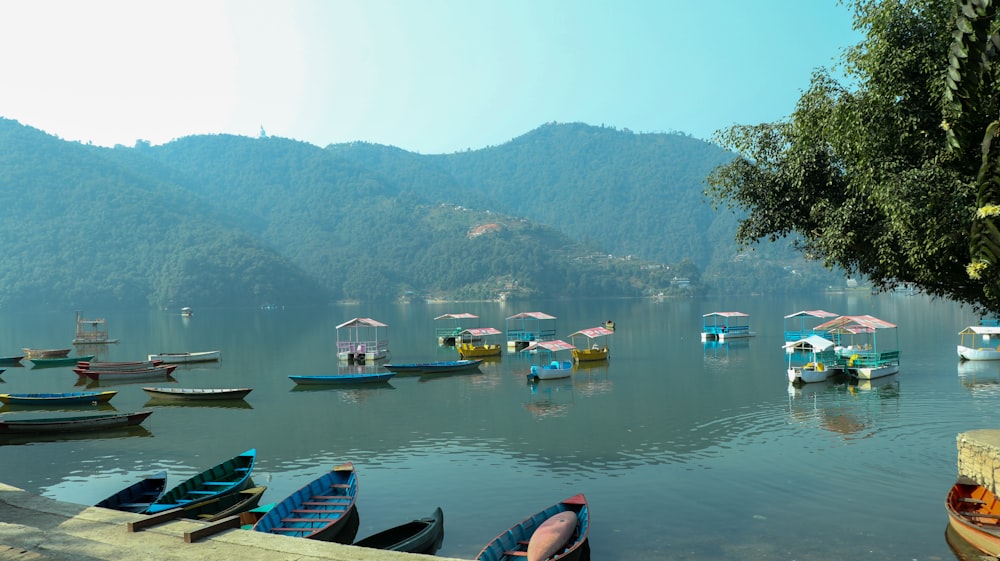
[[569, 210]]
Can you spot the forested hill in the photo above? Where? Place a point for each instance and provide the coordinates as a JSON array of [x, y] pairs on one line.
[[226, 220]]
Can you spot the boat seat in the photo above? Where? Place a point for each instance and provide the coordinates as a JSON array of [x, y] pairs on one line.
[[332, 498], [337, 512], [290, 530], [340, 485], [217, 483], [971, 500], [516, 553], [330, 504], [241, 469], [201, 492], [133, 505]]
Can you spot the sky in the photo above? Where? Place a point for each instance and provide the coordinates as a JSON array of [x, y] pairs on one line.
[[427, 76]]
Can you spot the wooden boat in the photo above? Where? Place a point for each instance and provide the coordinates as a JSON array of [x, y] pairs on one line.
[[66, 398], [423, 535], [11, 360], [318, 511], [231, 476], [184, 358], [353, 378], [58, 361], [156, 373], [138, 496], [44, 353], [435, 367], [974, 513], [595, 346], [560, 530], [134, 365], [226, 505], [91, 422], [476, 342], [197, 394], [972, 343]]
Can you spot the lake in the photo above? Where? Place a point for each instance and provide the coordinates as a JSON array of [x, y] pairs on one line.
[[684, 449]]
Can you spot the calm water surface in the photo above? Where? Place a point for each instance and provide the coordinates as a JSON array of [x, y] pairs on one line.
[[685, 450]]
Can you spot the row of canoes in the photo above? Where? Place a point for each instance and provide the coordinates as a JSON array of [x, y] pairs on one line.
[[325, 509], [60, 357]]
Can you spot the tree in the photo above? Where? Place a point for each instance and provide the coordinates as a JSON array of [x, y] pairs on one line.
[[867, 174]]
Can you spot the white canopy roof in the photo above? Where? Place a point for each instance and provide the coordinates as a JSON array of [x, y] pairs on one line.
[[814, 342]]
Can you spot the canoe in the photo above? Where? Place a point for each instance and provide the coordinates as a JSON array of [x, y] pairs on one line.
[[319, 511], [197, 394], [226, 505], [157, 373], [138, 496], [134, 365], [974, 513], [58, 361], [67, 398], [434, 367], [423, 535], [10, 360], [75, 423], [178, 358], [230, 476], [44, 353], [359, 378], [550, 533]]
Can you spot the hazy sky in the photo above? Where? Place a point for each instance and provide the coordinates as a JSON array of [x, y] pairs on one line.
[[429, 76]]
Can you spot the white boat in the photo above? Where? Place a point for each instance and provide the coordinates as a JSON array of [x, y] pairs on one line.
[[553, 369], [181, 358], [722, 326], [972, 343], [197, 394], [867, 354], [822, 363], [361, 340]]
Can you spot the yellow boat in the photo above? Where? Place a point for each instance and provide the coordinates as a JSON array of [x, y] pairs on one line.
[[474, 342], [596, 346]]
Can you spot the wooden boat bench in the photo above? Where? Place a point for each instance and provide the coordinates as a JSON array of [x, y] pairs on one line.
[[304, 521]]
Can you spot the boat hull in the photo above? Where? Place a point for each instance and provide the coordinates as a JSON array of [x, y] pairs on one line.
[[197, 394], [435, 367], [46, 399], [138, 496], [589, 355], [968, 353], [185, 358], [73, 424], [423, 535], [231, 476], [873, 372], [321, 379], [468, 350]]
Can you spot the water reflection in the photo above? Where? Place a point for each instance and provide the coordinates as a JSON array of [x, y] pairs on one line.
[[13, 407], [200, 403], [550, 398], [843, 406], [111, 383], [980, 377], [103, 434]]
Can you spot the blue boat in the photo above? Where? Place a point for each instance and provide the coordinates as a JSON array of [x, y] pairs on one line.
[[231, 476], [322, 510], [354, 378], [542, 536], [66, 398], [138, 496], [435, 367], [11, 360], [59, 361]]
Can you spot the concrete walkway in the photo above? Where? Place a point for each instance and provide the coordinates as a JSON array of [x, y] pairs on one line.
[[36, 528]]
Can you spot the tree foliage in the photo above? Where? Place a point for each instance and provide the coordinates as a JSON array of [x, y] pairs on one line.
[[861, 174]]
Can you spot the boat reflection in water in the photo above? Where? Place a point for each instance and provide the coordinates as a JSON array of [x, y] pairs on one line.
[[550, 398], [103, 434], [842, 405]]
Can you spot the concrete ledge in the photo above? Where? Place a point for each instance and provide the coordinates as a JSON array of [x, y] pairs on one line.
[[36, 528], [979, 457]]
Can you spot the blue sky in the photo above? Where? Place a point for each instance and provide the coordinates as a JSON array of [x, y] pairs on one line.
[[429, 76]]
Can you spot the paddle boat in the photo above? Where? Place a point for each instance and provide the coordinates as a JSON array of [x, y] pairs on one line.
[[553, 369], [475, 342], [361, 340], [822, 360], [449, 335], [722, 326], [867, 355], [595, 344], [975, 343]]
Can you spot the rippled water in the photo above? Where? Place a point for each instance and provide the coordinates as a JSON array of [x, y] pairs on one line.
[[686, 450]]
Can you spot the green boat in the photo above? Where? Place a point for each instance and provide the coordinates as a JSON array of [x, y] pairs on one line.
[[231, 476], [59, 361]]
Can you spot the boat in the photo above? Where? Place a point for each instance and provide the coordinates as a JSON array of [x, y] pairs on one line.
[[183, 358], [133, 365], [361, 340], [974, 514], [155, 373], [476, 343], [722, 326], [138, 496], [423, 535], [226, 505], [44, 353], [352, 378], [822, 362], [319, 511], [197, 394], [527, 327], [91, 331], [553, 369], [866, 355], [435, 367], [595, 346], [58, 361], [187, 312], [230, 476], [66, 398], [972, 343], [802, 324], [76, 423], [11, 360], [449, 335], [557, 532]]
